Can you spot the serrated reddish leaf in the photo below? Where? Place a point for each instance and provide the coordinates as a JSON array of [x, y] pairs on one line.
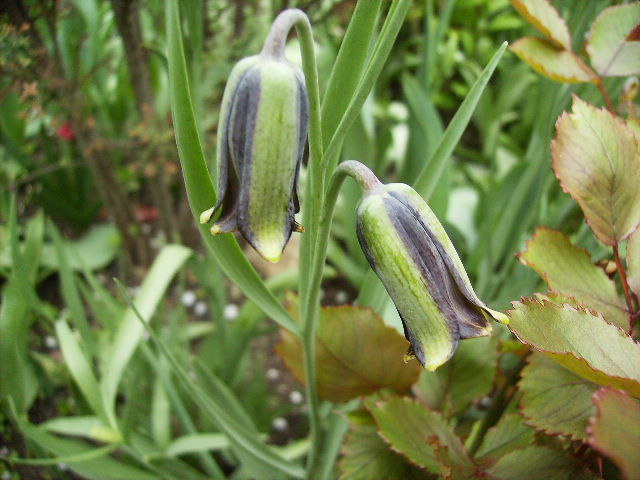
[[356, 354], [409, 428], [611, 54], [615, 430], [597, 160], [555, 400], [551, 61], [546, 19], [634, 34], [568, 270], [580, 341]]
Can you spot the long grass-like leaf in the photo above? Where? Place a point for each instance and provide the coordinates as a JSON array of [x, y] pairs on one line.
[[430, 174], [242, 438], [79, 367], [70, 291], [200, 190], [129, 334]]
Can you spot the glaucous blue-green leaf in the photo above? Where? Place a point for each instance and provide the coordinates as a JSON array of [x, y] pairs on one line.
[[546, 19], [568, 270], [356, 354], [611, 52], [552, 61], [579, 340], [615, 429], [413, 430], [555, 400], [597, 160]]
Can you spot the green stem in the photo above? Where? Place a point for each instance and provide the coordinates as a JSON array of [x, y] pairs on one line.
[[625, 286], [310, 305], [498, 405], [313, 198]]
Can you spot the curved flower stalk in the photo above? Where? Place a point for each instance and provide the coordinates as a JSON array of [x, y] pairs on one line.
[[261, 137], [418, 265]]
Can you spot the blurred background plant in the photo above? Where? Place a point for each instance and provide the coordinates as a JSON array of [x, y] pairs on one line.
[[92, 189]]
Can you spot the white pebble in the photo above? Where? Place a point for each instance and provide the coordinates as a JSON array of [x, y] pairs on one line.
[[4, 452], [341, 296], [273, 374], [280, 424], [6, 476], [188, 298], [231, 311], [62, 467], [296, 397], [200, 308], [50, 342]]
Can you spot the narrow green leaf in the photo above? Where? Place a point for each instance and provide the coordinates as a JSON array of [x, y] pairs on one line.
[[244, 440], [348, 66], [406, 425], [615, 430], [580, 341], [198, 442], [610, 52], [429, 176], [90, 427], [70, 292], [597, 160], [102, 467], [568, 270], [377, 60], [554, 399], [166, 265], [79, 367], [552, 62], [546, 19], [200, 190]]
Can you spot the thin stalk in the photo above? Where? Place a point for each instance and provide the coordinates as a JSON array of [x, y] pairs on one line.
[[625, 286], [313, 198], [498, 406], [605, 96], [368, 182]]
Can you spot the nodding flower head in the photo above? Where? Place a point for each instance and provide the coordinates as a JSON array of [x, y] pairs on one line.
[[261, 138], [414, 258]]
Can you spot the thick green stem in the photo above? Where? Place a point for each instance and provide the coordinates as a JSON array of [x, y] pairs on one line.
[[310, 304], [313, 198]]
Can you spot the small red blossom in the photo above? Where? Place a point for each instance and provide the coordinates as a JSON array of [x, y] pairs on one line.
[[65, 132]]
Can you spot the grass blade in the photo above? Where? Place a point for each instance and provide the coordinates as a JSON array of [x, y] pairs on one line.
[[242, 439], [129, 334], [430, 174]]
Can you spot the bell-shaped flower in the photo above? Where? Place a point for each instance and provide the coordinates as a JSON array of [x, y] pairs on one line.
[[261, 138], [414, 258]]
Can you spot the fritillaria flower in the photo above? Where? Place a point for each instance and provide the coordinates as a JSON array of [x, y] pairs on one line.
[[261, 137], [414, 258]]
